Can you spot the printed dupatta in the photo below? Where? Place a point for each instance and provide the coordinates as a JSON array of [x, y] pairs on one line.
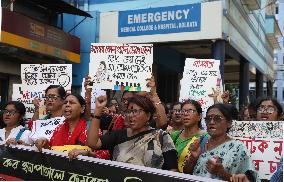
[[145, 150]]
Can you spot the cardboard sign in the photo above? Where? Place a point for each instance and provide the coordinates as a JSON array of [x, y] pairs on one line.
[[264, 140], [26, 95], [45, 128], [121, 66], [95, 93], [200, 77], [47, 74]]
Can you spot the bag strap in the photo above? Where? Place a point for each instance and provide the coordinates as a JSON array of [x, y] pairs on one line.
[[20, 134]]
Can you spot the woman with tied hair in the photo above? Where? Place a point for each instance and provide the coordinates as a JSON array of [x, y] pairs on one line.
[[73, 131], [139, 144], [268, 109], [14, 131], [219, 156], [191, 114]]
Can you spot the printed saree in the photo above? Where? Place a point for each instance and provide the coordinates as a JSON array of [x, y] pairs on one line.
[[145, 150]]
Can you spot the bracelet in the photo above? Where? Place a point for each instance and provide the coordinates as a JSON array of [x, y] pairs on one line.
[[157, 103], [97, 117]]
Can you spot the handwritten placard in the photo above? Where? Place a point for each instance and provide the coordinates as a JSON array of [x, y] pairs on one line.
[[264, 140], [47, 74], [26, 95], [95, 93], [45, 128], [199, 77], [121, 66]]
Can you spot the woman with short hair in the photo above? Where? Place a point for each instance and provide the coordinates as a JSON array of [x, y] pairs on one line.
[[219, 156], [14, 131], [139, 144]]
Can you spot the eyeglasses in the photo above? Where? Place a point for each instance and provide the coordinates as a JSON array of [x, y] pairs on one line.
[[133, 111], [177, 111], [187, 111], [11, 113], [215, 118], [269, 110], [52, 97]]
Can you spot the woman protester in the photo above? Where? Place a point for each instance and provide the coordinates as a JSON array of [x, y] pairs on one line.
[[139, 144], [14, 131], [73, 131], [268, 109], [191, 114], [218, 156]]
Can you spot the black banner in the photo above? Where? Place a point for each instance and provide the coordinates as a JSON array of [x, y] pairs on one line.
[[27, 164]]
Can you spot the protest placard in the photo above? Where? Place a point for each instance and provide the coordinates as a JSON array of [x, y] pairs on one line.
[[25, 163], [264, 141], [121, 66], [26, 95], [200, 77], [45, 128], [95, 93], [47, 74]]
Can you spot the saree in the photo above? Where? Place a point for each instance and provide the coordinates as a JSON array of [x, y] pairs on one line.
[[234, 158], [144, 150], [182, 146]]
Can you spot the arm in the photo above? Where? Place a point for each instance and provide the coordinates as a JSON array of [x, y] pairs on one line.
[[195, 152], [36, 103], [88, 96], [93, 140], [160, 109]]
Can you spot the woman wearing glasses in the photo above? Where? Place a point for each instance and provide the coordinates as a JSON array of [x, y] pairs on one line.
[[139, 144], [268, 109], [218, 156], [191, 114], [14, 131]]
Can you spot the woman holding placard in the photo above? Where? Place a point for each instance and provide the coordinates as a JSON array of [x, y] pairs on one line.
[[191, 114], [14, 131], [139, 144], [218, 156]]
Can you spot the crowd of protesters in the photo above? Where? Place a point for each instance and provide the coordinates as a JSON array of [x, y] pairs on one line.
[[140, 129]]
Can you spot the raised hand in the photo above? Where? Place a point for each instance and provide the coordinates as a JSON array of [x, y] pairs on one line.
[[226, 96], [101, 102], [36, 102]]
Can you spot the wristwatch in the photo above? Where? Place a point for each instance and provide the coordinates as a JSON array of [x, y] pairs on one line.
[[97, 117]]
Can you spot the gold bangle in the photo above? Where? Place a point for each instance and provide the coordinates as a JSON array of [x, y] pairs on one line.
[[158, 103]]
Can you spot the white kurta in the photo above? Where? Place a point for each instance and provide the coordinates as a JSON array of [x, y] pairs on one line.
[[14, 132]]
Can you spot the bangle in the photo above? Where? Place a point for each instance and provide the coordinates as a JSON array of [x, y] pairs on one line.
[[157, 103], [97, 117]]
